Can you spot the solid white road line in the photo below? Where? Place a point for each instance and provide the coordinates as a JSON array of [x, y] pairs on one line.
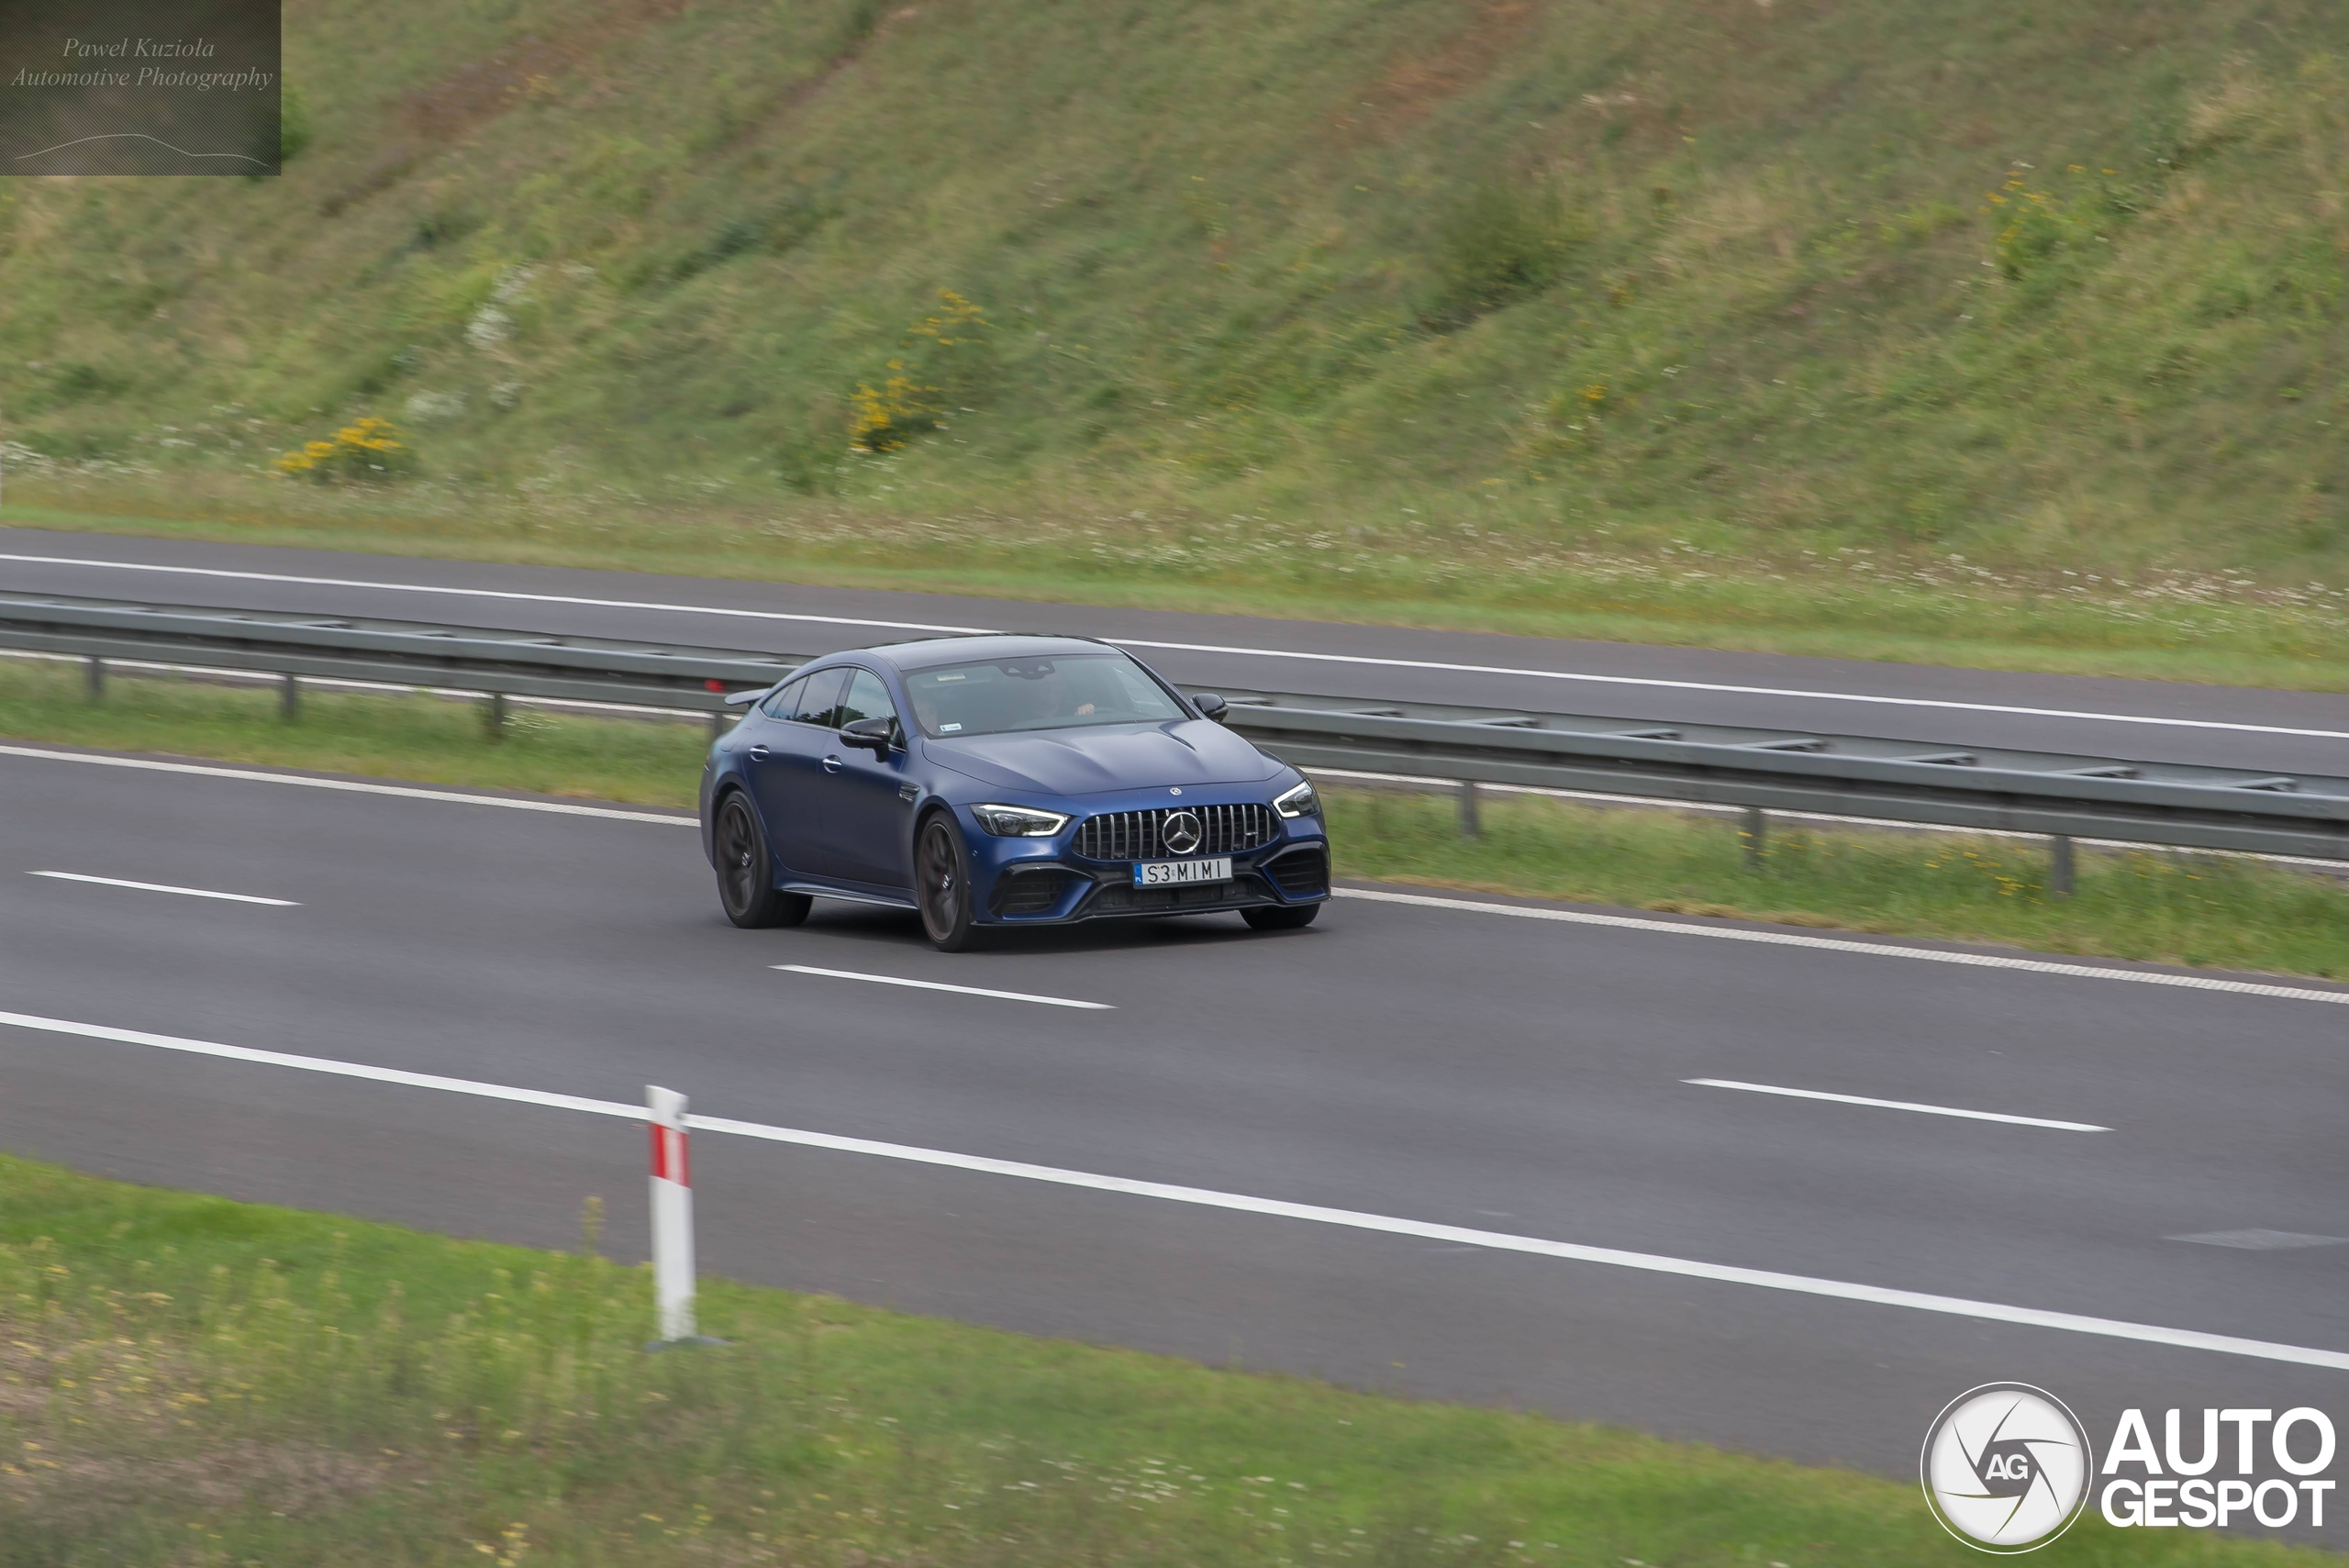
[[2012, 709], [1838, 944], [321, 1064], [1896, 1105], [160, 887], [1205, 1197], [941, 985], [1570, 917], [350, 786], [1942, 703], [491, 593]]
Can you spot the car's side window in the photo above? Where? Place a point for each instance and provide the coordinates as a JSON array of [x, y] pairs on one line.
[[868, 699], [819, 698], [782, 701]]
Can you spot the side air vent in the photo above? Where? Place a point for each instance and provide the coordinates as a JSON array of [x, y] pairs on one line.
[[1302, 873], [1030, 892]]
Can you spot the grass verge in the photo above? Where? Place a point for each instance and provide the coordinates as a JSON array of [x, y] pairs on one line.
[[187, 1380], [2198, 910], [425, 739]]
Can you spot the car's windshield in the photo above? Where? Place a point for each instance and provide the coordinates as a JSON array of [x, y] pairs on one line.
[[995, 695]]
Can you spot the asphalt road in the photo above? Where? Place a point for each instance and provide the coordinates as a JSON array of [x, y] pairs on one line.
[[1468, 1068], [2265, 730]]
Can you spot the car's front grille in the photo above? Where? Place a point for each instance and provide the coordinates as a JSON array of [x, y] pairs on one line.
[[1141, 835]]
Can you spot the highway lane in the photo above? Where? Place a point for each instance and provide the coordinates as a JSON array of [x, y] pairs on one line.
[[2293, 731], [1469, 1069]]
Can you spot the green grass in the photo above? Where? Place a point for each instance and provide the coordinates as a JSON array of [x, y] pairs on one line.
[[427, 740], [1688, 321], [2200, 910], [2191, 909], [185, 1380]]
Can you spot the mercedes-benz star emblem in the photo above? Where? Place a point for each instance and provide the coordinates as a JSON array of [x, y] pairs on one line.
[[1182, 832]]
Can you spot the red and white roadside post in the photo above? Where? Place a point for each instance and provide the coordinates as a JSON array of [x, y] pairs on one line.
[[673, 1215]]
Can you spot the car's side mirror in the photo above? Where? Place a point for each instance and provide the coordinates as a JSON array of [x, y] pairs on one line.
[[1212, 706], [871, 734]]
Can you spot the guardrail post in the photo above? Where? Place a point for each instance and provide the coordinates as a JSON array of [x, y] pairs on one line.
[[289, 697], [672, 1216], [1471, 821], [495, 715], [1750, 836], [717, 724], [97, 679], [2059, 868]]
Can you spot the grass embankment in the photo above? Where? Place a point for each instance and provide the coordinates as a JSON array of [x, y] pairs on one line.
[[1694, 319], [2189, 909], [191, 1381]]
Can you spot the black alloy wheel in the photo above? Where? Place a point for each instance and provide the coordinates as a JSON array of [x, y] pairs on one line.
[[746, 872], [1280, 916], [942, 883]]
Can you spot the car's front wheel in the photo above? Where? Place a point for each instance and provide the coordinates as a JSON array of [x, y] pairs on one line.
[[746, 872], [1280, 918], [943, 885]]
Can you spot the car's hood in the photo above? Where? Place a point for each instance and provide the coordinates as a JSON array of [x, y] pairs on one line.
[[1114, 757]]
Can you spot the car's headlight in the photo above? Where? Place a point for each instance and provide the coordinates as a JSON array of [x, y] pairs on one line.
[[1298, 802], [1019, 821]]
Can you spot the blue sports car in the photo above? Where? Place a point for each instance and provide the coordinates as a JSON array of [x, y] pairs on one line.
[[994, 781]]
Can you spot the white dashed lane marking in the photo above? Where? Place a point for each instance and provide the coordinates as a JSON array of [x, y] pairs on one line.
[[1896, 1105], [942, 985], [162, 887]]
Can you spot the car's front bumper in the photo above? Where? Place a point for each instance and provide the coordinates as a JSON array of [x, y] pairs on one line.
[[1041, 881]]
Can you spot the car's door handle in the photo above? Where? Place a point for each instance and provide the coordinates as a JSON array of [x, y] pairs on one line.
[[832, 764], [760, 753]]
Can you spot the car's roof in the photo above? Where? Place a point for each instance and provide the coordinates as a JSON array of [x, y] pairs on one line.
[[932, 651]]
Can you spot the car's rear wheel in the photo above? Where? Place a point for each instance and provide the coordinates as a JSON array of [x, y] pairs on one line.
[[1280, 918], [746, 870], [943, 885]]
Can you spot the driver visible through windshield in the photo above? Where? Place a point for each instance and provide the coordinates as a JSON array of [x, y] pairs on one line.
[[1056, 693]]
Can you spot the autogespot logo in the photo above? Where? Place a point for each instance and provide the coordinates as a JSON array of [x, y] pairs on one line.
[[2007, 1467]]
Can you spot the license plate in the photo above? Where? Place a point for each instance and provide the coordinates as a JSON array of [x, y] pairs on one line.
[[1181, 873]]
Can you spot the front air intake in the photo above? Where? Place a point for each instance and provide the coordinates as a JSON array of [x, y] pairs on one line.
[[1033, 892], [1302, 874]]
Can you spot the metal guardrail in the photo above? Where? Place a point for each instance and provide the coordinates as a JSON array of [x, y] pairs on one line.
[[515, 663], [1994, 789], [2062, 796]]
